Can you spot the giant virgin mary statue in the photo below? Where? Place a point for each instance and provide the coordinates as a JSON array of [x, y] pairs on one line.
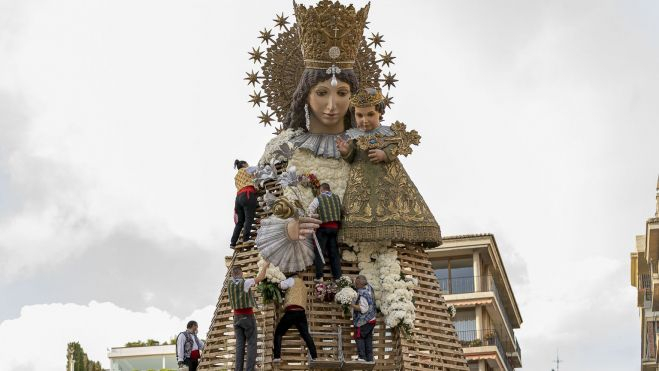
[[310, 71]]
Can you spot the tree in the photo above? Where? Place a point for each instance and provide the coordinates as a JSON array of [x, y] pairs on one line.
[[75, 353], [140, 343]]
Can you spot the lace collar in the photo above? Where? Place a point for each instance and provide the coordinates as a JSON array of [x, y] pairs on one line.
[[381, 130], [319, 144]]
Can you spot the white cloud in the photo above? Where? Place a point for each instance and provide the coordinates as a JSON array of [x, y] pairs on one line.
[[38, 338]]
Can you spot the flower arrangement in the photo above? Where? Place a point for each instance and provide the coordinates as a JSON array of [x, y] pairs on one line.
[[273, 150], [392, 289], [343, 282], [310, 180], [349, 256], [269, 287], [330, 292], [270, 292], [346, 297], [325, 291], [273, 274], [319, 290], [329, 170]]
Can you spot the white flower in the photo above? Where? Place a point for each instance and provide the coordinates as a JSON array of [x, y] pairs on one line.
[[346, 296], [330, 170], [393, 295], [273, 274], [273, 147], [349, 256]]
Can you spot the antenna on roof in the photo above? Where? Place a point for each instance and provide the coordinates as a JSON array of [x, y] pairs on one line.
[[557, 361]]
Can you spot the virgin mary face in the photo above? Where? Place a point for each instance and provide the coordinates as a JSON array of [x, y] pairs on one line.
[[328, 105]]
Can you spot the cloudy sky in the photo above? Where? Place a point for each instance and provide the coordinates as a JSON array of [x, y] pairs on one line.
[[119, 123]]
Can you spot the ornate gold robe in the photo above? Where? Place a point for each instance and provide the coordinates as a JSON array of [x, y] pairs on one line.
[[382, 204]]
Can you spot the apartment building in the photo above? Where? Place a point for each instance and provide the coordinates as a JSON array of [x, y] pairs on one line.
[[473, 279], [645, 278]]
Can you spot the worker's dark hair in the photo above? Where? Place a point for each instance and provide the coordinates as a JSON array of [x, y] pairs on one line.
[[239, 164]]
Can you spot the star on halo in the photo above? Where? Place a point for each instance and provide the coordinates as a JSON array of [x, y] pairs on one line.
[[281, 21], [266, 117], [387, 58], [252, 78], [266, 36], [256, 54], [376, 39], [256, 99], [388, 101], [390, 80]]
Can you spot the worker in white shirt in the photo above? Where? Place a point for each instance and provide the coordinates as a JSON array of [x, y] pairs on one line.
[[328, 207], [189, 347], [244, 323]]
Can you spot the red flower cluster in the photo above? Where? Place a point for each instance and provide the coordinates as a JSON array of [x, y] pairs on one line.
[[310, 180]]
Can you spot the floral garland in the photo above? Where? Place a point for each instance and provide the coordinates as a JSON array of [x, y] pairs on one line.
[[392, 290]]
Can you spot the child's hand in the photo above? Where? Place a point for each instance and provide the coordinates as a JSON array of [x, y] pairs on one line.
[[377, 156], [342, 145]]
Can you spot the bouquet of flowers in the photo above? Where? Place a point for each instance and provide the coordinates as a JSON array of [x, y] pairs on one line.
[[319, 291], [310, 180], [269, 287], [330, 291], [270, 292], [346, 297], [343, 282]]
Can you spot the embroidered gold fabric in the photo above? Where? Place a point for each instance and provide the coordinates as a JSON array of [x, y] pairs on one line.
[[402, 139], [382, 203]]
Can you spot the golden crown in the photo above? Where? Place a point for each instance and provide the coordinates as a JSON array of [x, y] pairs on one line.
[[367, 97], [330, 34]]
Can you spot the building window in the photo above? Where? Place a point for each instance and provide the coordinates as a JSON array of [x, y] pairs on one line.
[[465, 324], [650, 338], [455, 275]]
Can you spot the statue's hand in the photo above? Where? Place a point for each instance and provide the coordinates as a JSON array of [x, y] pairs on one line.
[[300, 229], [377, 156], [342, 145]]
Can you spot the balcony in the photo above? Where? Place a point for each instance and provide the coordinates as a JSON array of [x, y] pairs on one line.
[[485, 284], [482, 344], [644, 291]]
